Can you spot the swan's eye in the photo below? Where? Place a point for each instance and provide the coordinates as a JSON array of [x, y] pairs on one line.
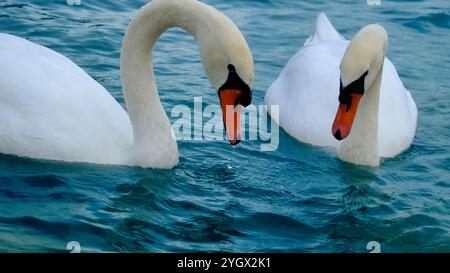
[[234, 82], [356, 87]]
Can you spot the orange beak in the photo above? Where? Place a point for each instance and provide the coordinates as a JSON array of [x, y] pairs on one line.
[[344, 117], [229, 101]]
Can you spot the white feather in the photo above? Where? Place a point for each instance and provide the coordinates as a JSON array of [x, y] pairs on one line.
[[52, 109], [307, 92]]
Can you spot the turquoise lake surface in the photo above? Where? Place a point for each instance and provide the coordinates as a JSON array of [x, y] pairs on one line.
[[298, 198]]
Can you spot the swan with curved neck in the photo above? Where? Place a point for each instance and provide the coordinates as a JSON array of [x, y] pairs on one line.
[[376, 117], [357, 116], [224, 52], [70, 117]]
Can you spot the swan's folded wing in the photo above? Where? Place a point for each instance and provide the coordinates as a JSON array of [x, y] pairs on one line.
[[52, 109], [397, 114], [307, 93], [324, 31]]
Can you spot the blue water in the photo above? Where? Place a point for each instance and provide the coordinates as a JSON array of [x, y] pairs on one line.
[[296, 199]]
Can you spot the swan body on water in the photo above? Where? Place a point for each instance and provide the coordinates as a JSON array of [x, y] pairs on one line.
[[52, 109], [346, 95]]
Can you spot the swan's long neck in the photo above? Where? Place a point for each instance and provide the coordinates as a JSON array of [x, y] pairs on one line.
[[361, 146], [154, 144]]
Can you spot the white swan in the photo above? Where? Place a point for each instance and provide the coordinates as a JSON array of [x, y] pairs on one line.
[[308, 89], [51, 109]]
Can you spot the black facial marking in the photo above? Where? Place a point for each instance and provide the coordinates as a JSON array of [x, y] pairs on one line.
[[356, 87], [236, 83]]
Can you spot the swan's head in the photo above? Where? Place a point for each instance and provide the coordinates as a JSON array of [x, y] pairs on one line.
[[360, 67], [234, 94], [228, 62]]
